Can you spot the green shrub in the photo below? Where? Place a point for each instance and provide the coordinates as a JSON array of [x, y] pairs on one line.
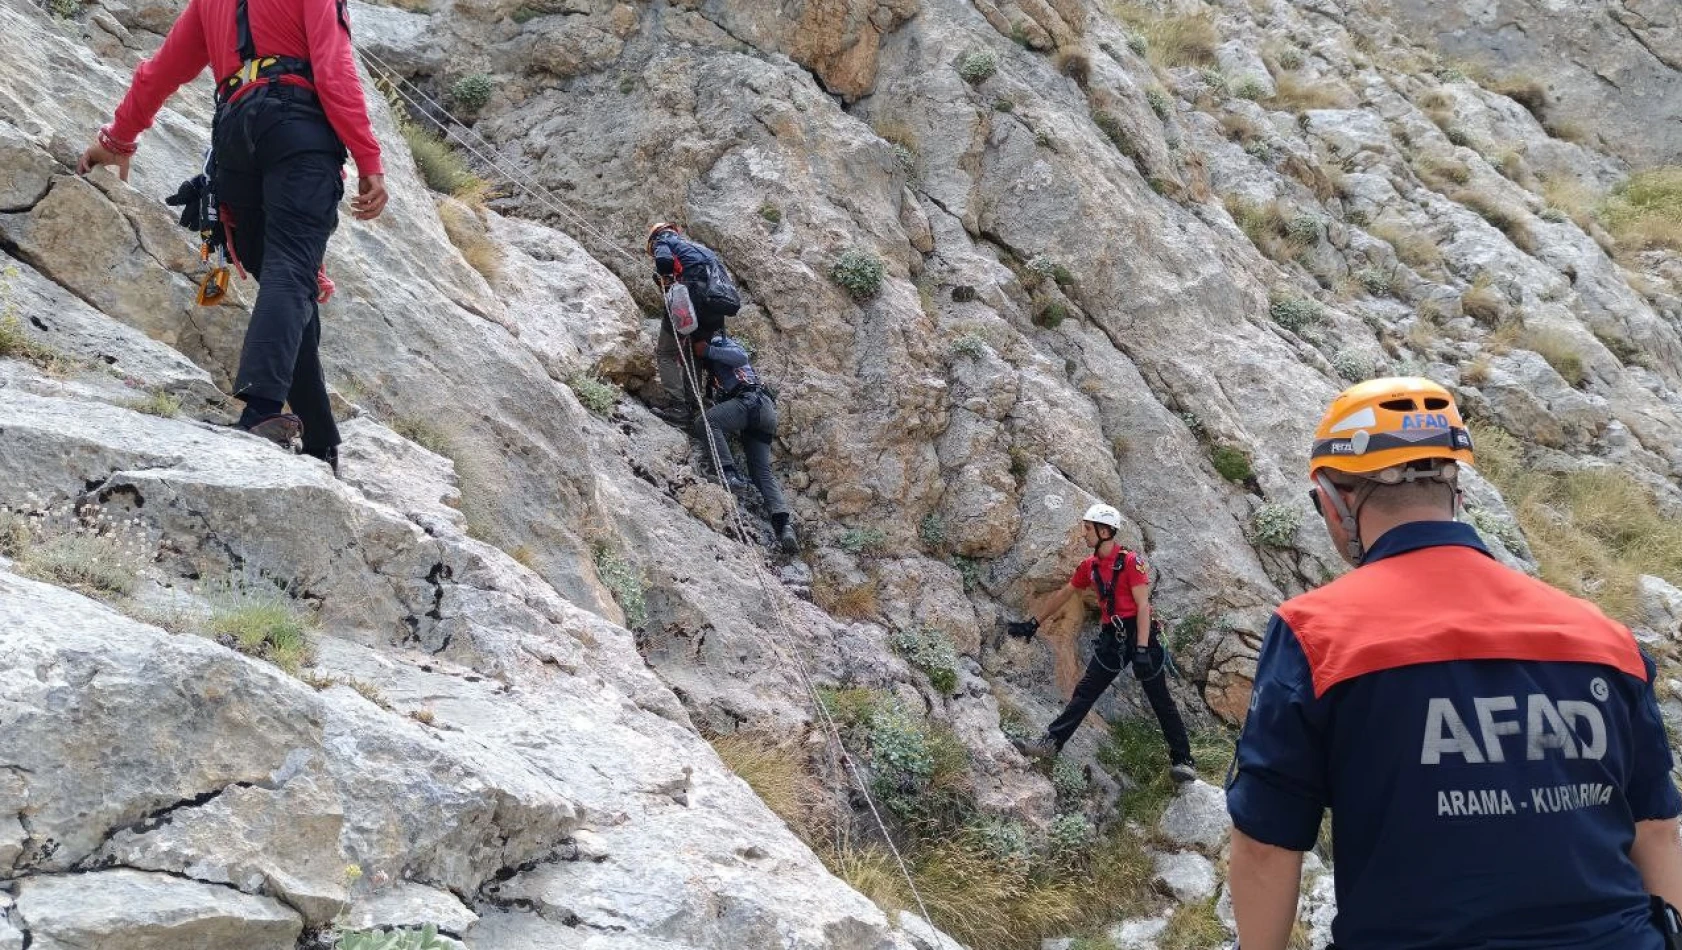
[[1275, 525], [969, 570], [625, 583], [1052, 314], [1003, 105], [771, 213], [904, 157], [978, 66], [1003, 839], [1295, 314], [863, 540], [471, 92], [1352, 366], [85, 559], [969, 345], [932, 652], [932, 529], [1305, 229], [1138, 43], [260, 620], [1233, 463], [1113, 130], [1159, 101], [1070, 836], [1068, 778], [440, 166], [16, 344], [1250, 88], [859, 272], [597, 396], [1377, 281], [850, 707], [1290, 58], [158, 403]]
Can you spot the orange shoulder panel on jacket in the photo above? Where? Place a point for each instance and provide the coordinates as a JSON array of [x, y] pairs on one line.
[[1447, 603]]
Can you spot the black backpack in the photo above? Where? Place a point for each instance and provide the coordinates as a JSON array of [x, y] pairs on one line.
[[713, 289]]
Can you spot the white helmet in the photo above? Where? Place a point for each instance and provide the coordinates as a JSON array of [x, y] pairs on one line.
[[1103, 514]]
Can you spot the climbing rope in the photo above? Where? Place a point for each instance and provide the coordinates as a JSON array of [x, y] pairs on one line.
[[479, 148]]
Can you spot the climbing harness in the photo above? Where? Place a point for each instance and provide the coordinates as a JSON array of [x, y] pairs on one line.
[[789, 660]]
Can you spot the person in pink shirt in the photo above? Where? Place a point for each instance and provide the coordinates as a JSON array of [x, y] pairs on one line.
[[289, 106]]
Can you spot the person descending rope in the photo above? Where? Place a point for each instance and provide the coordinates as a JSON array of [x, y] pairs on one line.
[[743, 406], [1120, 579], [288, 102], [1491, 748], [712, 293]]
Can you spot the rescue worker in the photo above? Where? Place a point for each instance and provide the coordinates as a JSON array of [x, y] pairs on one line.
[[743, 407], [1490, 747], [288, 104], [1126, 632], [676, 258]]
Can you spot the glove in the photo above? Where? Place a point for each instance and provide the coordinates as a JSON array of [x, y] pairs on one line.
[[189, 196], [1025, 629]]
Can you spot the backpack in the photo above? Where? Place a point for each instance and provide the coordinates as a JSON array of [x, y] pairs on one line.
[[715, 291]]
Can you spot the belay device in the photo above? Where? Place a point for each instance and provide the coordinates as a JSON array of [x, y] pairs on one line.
[[199, 212]]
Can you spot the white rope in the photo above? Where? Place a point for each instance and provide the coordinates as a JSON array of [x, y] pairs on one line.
[[686, 359], [459, 132]]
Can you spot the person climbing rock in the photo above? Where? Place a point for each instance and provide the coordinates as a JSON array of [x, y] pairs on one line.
[[1126, 632], [288, 103], [712, 293], [743, 407], [1491, 747]]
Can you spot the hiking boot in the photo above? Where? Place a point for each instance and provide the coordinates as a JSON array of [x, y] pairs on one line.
[[1183, 772], [330, 455], [1045, 747], [785, 536], [280, 428], [735, 480], [681, 416]]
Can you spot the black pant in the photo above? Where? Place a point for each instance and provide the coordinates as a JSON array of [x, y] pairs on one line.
[[1105, 666], [279, 170]]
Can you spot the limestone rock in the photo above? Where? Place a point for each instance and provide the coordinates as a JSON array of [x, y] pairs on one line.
[[1138, 933], [1197, 817], [1661, 607], [148, 912], [1186, 875], [1612, 71], [412, 905]]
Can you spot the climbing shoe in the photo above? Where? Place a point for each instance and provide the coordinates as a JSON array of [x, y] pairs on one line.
[[280, 428], [785, 534], [1044, 747], [682, 416], [735, 480], [1183, 772]]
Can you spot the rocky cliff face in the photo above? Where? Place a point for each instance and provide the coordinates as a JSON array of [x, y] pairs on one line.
[[1128, 255]]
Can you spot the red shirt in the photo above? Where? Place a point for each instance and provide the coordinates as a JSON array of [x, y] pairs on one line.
[[1132, 575], [205, 35]]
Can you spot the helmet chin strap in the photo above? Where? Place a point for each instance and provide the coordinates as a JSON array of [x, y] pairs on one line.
[[1347, 516]]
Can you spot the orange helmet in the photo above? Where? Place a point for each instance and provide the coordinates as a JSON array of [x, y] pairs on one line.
[[1385, 423], [654, 232]]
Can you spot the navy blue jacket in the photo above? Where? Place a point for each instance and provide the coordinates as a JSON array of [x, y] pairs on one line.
[[1477, 801]]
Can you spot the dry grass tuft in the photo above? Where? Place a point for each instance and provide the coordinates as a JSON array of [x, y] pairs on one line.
[[470, 236], [1171, 41], [1645, 212], [1413, 247], [1299, 95], [1594, 533]]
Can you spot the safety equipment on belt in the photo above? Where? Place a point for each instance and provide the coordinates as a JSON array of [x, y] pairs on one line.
[[1103, 514]]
